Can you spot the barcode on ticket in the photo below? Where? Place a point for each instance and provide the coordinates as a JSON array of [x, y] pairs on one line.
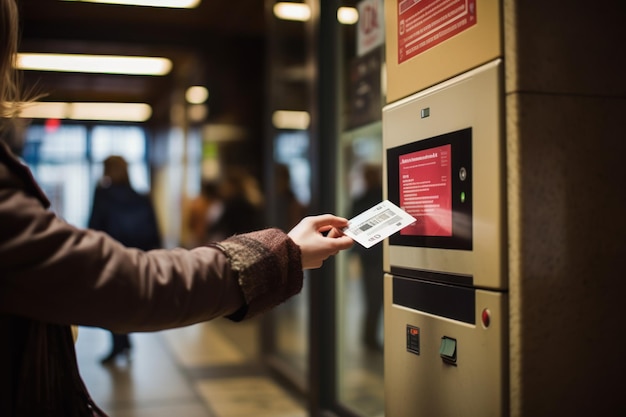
[[377, 223], [383, 219]]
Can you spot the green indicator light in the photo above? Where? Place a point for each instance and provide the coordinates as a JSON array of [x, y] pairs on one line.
[[462, 197]]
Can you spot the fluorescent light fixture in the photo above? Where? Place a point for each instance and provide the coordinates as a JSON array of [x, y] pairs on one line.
[[118, 112], [292, 11], [196, 94], [177, 4], [42, 110], [347, 15], [287, 119], [103, 64]]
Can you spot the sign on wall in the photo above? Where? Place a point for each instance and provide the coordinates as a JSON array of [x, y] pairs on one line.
[[423, 24], [371, 27]]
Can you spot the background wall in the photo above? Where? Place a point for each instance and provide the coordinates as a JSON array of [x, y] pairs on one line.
[[565, 107]]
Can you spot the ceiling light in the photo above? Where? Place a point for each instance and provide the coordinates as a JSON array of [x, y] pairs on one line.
[[179, 4], [103, 64], [45, 111], [292, 11], [285, 119], [347, 15], [196, 94], [118, 112]]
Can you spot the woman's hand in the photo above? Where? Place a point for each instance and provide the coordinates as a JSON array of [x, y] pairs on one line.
[[320, 237]]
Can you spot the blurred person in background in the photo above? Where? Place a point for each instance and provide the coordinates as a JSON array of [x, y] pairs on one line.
[[241, 209], [127, 217], [54, 275], [289, 210], [203, 212]]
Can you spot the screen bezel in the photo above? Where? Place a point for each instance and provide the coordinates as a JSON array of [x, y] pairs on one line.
[[461, 143]]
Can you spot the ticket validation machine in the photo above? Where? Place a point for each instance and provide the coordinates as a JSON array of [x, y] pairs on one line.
[[446, 312]]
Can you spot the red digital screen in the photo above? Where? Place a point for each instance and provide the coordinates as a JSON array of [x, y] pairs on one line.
[[426, 191]]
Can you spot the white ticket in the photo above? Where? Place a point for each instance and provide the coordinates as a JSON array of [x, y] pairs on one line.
[[377, 223]]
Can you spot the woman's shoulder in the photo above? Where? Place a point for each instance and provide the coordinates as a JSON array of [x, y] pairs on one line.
[[15, 174]]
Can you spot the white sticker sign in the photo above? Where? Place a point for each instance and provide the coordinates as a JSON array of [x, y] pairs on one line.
[[371, 26]]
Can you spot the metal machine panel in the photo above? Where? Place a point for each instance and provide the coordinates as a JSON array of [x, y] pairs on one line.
[[471, 103], [438, 366]]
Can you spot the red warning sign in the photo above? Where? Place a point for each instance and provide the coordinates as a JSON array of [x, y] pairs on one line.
[[423, 24]]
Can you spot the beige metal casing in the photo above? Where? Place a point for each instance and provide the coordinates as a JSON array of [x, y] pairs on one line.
[[424, 385], [474, 100], [469, 49]]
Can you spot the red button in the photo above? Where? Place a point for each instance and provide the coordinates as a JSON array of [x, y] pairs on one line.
[[486, 317]]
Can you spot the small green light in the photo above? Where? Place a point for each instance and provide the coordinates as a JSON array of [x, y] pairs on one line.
[[462, 197]]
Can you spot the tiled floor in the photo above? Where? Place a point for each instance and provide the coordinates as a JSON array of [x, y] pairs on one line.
[[212, 369], [190, 372]]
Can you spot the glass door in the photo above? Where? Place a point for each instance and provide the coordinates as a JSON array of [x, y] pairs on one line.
[[359, 276], [359, 280], [67, 162], [328, 340], [284, 330]]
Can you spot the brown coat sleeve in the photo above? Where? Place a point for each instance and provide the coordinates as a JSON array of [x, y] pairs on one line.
[[54, 272]]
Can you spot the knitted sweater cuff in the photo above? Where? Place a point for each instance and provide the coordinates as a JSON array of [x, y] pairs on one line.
[[269, 269]]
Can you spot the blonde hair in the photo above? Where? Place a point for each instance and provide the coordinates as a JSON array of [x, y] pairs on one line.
[[9, 80], [12, 98]]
